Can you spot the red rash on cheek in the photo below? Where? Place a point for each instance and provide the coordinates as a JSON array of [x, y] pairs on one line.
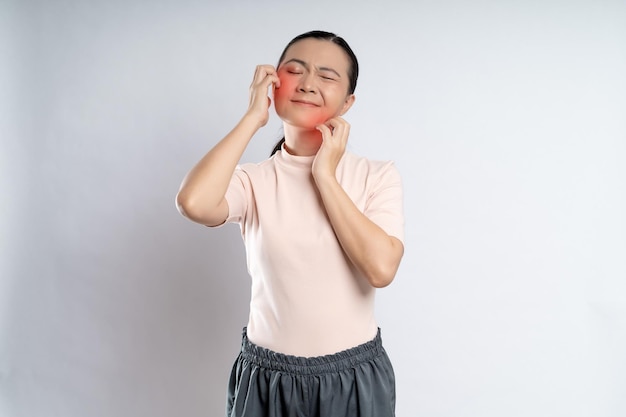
[[295, 114]]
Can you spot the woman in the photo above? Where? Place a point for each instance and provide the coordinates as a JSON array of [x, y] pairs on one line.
[[323, 228]]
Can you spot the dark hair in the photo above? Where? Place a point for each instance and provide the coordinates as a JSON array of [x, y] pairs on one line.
[[353, 71]]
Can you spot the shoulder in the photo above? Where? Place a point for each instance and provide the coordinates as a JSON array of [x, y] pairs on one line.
[[256, 168], [360, 165]]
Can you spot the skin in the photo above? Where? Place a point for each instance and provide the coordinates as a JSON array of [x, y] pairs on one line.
[[311, 93]]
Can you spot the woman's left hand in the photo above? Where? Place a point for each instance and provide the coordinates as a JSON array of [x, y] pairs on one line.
[[334, 139]]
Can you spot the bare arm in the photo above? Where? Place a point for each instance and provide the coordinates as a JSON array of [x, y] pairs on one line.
[[376, 254], [201, 194]]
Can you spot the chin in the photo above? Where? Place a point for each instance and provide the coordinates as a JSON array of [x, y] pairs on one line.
[[307, 125], [303, 120]]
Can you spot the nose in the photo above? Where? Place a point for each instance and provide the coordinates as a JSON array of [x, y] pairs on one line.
[[307, 83]]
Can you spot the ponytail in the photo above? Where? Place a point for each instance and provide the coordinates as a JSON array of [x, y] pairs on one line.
[[278, 146]]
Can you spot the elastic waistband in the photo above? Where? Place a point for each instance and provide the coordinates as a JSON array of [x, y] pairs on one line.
[[336, 362]]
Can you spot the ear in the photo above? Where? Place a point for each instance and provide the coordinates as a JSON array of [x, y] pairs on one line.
[[347, 104]]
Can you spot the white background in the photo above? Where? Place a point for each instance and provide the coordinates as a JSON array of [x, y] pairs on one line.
[[506, 120]]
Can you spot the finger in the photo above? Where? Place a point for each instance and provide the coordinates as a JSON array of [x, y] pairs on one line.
[[272, 75], [273, 79], [336, 122], [262, 72], [337, 126], [258, 75], [265, 83], [332, 128], [325, 130], [265, 69], [269, 76], [340, 129]]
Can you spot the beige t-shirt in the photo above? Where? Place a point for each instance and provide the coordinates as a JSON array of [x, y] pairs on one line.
[[307, 298]]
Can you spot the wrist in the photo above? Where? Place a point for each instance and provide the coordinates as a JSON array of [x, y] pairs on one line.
[[252, 121], [324, 178]]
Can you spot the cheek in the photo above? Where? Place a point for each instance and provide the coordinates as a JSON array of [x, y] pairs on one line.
[[286, 85]]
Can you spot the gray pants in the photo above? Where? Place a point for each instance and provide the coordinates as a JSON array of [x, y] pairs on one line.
[[358, 382]]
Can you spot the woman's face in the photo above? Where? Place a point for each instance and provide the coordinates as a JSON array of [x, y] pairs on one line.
[[314, 83]]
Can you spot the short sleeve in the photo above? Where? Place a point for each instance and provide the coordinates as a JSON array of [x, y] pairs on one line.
[[384, 204], [237, 196]]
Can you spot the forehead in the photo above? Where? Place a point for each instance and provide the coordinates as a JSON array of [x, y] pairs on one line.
[[319, 53]]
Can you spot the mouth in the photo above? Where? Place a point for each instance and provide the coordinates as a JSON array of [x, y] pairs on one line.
[[305, 103]]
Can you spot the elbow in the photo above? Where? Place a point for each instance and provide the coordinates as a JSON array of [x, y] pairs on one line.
[[183, 204], [382, 278], [383, 272], [201, 211], [380, 283], [188, 207]]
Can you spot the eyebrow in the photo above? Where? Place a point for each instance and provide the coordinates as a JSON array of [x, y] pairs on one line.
[[304, 64]]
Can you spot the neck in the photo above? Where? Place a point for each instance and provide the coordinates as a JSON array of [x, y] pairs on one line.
[[300, 141]]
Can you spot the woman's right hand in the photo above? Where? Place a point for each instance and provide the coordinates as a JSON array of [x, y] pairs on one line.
[[264, 77]]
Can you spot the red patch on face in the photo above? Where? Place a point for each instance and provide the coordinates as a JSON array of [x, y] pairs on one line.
[[296, 107]]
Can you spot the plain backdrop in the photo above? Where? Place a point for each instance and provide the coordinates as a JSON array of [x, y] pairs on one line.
[[506, 120]]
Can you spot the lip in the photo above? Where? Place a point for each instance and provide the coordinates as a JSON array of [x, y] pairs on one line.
[[305, 103]]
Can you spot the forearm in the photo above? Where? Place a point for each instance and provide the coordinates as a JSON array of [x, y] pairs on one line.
[[201, 195], [372, 251]]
